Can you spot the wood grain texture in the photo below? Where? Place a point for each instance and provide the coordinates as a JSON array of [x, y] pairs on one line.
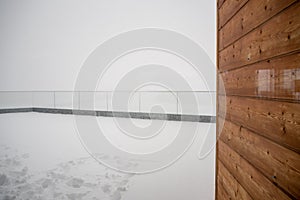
[[221, 194], [233, 189], [278, 164], [278, 121], [254, 13], [278, 36], [220, 3], [228, 9], [259, 108], [275, 78], [257, 185]]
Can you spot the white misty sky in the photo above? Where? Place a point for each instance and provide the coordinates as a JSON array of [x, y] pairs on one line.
[[44, 43]]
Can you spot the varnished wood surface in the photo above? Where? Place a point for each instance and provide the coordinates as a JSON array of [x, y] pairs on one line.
[[258, 150], [278, 36], [274, 78], [257, 185], [228, 9], [277, 163], [254, 13], [232, 188], [278, 121]]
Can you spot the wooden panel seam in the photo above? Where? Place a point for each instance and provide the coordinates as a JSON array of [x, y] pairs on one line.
[[262, 60], [260, 44], [220, 3], [223, 165], [222, 115], [267, 189], [254, 27], [261, 98], [290, 141], [256, 79], [282, 176], [221, 25]]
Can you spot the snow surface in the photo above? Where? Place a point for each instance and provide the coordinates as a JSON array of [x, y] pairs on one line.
[[41, 157]]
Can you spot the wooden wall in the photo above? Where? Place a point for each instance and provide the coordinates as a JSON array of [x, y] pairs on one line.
[[258, 150]]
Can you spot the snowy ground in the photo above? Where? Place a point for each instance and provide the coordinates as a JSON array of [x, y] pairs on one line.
[[41, 157]]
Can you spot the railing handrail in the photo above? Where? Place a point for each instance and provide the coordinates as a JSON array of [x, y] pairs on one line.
[[79, 98]]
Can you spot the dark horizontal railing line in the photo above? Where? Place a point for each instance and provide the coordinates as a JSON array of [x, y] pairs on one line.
[[136, 115]]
